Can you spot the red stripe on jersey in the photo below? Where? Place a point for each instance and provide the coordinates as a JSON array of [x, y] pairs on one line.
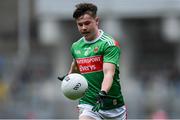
[[90, 64]]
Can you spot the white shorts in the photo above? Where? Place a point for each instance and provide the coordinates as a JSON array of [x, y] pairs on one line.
[[116, 114]]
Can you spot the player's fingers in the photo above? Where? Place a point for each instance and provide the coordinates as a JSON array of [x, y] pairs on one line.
[[60, 78]]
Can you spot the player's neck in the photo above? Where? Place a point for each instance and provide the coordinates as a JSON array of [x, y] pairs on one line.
[[96, 35]]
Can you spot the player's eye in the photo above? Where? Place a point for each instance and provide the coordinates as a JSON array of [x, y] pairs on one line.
[[87, 23], [80, 24]]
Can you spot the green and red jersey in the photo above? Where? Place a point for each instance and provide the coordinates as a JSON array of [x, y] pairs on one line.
[[90, 56]]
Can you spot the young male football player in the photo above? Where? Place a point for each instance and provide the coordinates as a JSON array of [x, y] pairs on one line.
[[96, 56]]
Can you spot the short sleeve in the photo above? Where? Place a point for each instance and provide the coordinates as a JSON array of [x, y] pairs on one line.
[[112, 54]]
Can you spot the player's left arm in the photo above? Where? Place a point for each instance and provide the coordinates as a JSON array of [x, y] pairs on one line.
[[108, 70], [111, 60]]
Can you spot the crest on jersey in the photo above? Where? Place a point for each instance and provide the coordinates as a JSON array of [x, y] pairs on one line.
[[114, 102], [96, 49]]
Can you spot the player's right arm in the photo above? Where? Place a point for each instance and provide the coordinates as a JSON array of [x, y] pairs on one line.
[[73, 67]]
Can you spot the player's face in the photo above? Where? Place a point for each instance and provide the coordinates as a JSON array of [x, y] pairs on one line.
[[88, 26]]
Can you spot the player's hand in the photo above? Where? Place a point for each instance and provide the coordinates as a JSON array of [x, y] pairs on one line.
[[62, 77], [100, 101]]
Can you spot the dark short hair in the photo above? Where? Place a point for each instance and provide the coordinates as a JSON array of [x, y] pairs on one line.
[[85, 8]]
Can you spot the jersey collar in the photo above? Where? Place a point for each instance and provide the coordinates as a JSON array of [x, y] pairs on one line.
[[93, 41]]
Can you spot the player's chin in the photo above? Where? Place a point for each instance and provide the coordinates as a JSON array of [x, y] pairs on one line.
[[87, 37]]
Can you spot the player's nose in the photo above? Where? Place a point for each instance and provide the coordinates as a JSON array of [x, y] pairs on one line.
[[84, 27]]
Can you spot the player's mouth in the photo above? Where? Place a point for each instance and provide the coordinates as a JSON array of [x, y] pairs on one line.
[[85, 33]]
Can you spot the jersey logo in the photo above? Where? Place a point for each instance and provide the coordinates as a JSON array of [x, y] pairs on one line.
[[77, 51], [87, 51], [90, 64]]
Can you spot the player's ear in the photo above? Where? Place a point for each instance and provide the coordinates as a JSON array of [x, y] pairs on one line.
[[97, 20]]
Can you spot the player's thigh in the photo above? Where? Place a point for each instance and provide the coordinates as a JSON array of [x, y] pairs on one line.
[[123, 116], [88, 114]]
